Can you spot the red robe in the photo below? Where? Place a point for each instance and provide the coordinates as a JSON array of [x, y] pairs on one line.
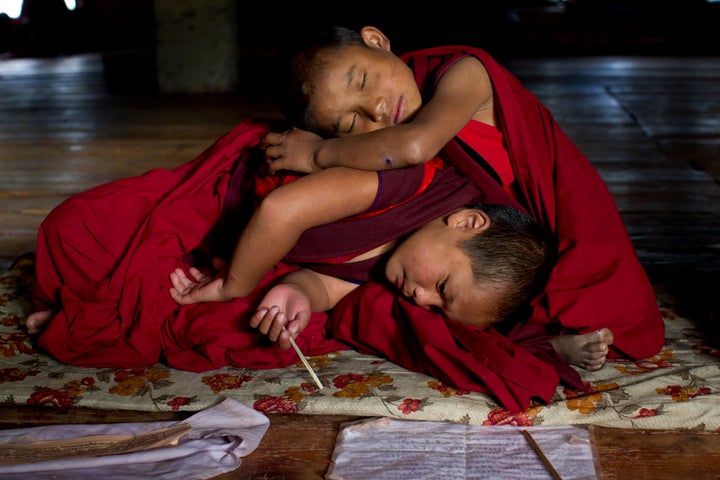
[[103, 260], [597, 282]]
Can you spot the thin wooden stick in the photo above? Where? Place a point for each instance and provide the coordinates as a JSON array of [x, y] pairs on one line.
[[305, 362], [543, 458]]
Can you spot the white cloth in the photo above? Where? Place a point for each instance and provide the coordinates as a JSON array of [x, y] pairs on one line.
[[219, 437]]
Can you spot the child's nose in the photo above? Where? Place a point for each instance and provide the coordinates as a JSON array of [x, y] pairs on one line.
[[379, 110], [424, 298]]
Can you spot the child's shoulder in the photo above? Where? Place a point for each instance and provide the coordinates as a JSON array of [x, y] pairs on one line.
[[429, 64], [445, 51]]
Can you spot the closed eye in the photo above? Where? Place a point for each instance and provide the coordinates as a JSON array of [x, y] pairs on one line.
[[352, 123], [445, 294], [354, 118], [441, 287]]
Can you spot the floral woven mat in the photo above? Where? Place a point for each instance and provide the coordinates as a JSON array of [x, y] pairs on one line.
[[677, 389]]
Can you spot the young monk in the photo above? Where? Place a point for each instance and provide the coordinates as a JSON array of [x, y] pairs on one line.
[[477, 264], [504, 260], [459, 104]]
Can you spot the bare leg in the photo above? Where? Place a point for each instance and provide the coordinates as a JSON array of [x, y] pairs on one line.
[[36, 321], [588, 351]]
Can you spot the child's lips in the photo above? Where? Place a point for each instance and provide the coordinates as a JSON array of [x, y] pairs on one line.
[[399, 111], [399, 282]]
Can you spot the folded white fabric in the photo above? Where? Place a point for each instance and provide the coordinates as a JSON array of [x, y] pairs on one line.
[[219, 436]]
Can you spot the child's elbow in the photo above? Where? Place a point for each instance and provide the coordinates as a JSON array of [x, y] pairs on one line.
[[416, 153], [276, 208]]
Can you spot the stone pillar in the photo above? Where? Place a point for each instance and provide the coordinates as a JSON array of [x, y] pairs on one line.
[[197, 47]]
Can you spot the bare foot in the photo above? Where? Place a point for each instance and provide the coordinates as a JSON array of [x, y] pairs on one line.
[[588, 351], [36, 321]]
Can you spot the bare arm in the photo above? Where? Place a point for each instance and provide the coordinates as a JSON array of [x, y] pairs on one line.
[[464, 92], [275, 227], [285, 310]]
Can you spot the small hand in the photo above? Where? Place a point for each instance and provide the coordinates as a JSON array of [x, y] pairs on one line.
[[284, 312], [293, 150], [200, 287]]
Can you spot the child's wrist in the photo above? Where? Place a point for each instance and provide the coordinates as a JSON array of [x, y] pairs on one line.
[[322, 157]]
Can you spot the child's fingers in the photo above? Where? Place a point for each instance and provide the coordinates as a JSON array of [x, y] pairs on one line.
[[277, 326], [263, 318], [197, 275], [267, 139], [178, 296], [177, 280], [273, 138], [258, 316], [298, 323], [269, 321], [274, 152], [283, 340], [174, 294], [275, 165]]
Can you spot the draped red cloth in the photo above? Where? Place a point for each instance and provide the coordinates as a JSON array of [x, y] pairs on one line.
[[103, 258], [597, 282]]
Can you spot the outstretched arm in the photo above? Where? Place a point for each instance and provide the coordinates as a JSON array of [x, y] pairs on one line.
[[274, 228], [285, 310], [464, 92]]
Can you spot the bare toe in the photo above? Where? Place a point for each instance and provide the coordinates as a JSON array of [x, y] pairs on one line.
[[37, 321], [605, 335], [588, 350]]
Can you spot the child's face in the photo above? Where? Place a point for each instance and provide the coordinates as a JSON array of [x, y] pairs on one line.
[[431, 268], [364, 89]]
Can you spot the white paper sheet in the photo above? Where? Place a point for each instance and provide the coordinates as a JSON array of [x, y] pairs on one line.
[[387, 448], [219, 437]]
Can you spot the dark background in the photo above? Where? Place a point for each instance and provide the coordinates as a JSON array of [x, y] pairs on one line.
[[123, 30]]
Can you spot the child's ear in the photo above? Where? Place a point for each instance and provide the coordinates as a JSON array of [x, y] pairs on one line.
[[469, 220], [373, 37]]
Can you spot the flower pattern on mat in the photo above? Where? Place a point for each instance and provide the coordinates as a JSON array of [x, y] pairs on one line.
[[12, 344], [358, 385], [648, 412], [16, 374], [500, 416], [287, 403], [276, 405], [446, 390], [410, 405], [225, 381], [682, 394], [138, 381], [661, 360], [176, 403], [64, 396], [665, 391], [588, 400]]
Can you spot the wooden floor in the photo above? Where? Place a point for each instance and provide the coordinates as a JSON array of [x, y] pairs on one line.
[[651, 125]]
